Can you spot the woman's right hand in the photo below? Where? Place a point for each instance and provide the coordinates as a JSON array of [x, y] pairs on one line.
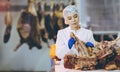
[[71, 42]]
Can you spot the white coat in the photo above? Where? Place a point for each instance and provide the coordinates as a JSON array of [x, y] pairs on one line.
[[63, 37]]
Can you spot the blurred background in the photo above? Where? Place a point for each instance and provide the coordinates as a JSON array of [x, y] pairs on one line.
[[100, 16]]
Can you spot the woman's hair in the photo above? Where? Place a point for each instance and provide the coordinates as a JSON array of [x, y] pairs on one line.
[[70, 9]]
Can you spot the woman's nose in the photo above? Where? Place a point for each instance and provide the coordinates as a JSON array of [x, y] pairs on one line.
[[73, 19]]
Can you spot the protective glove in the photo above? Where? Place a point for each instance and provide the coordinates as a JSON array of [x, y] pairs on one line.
[[71, 42], [89, 44]]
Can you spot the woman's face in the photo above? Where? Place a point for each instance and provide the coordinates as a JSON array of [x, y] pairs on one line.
[[25, 31], [72, 20]]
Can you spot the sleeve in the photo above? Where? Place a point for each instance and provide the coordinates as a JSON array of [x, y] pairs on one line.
[[91, 38], [61, 46]]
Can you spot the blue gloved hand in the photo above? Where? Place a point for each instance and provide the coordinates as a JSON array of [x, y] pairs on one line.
[[71, 42], [89, 44]]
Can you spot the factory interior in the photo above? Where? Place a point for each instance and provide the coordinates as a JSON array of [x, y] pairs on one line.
[[16, 54]]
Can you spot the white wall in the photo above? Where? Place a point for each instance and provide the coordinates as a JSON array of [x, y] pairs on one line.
[[18, 2], [81, 4]]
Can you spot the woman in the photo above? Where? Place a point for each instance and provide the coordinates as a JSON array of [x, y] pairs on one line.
[[71, 17]]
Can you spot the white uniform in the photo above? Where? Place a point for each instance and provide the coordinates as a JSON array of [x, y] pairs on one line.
[[63, 37]]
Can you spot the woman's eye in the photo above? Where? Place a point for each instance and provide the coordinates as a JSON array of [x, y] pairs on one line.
[[75, 16], [69, 18]]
